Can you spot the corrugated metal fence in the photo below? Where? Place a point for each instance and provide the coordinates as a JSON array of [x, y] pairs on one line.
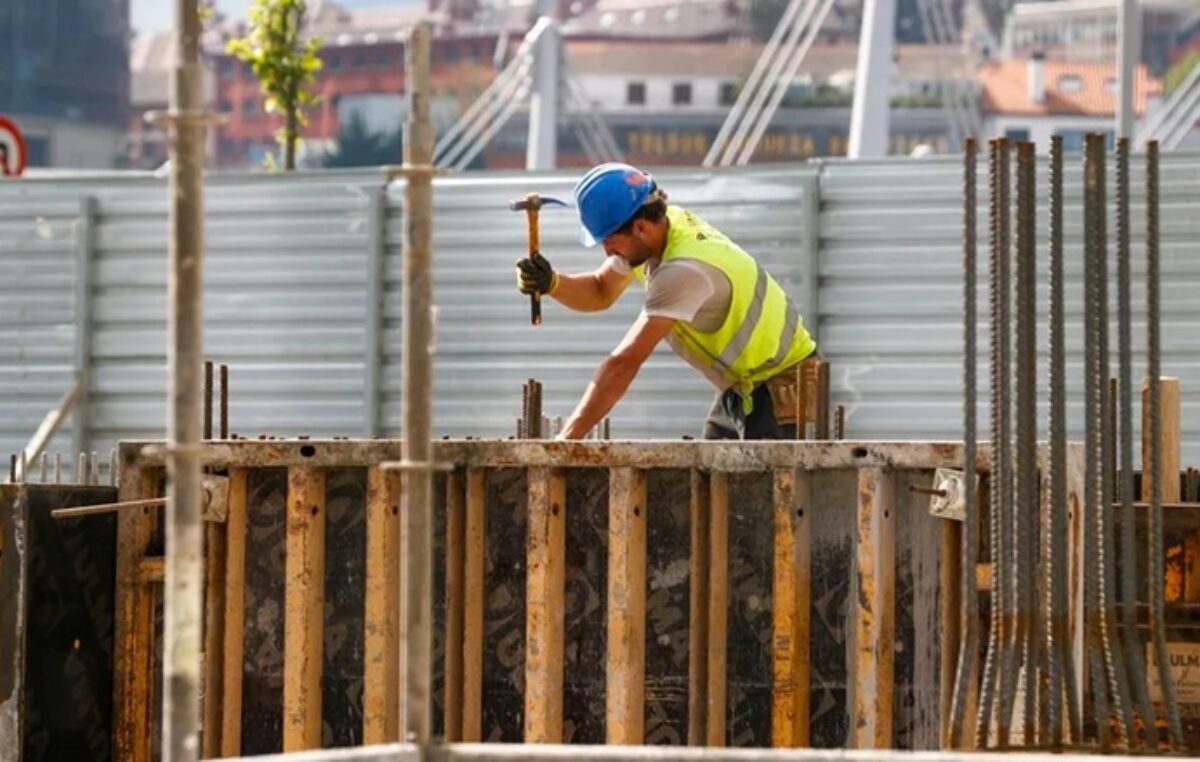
[[303, 277]]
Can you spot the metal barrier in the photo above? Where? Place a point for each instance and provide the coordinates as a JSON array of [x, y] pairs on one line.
[[820, 602]]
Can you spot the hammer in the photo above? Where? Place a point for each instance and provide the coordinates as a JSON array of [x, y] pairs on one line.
[[530, 205]]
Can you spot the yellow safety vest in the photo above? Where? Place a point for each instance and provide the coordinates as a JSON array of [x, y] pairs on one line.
[[763, 332]]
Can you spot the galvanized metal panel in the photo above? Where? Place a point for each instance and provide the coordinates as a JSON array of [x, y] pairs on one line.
[[287, 291]]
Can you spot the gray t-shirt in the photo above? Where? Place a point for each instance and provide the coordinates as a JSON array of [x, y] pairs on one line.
[[694, 292]]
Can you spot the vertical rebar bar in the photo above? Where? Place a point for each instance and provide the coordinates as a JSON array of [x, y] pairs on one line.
[[58, 468], [183, 601], [208, 399], [839, 422], [44, 459], [94, 478], [112, 467], [12, 468], [1134, 653], [1006, 575], [1114, 659], [1026, 507], [1153, 370], [224, 412], [535, 411], [81, 468], [991, 665], [1060, 661], [23, 466], [965, 676], [417, 550]]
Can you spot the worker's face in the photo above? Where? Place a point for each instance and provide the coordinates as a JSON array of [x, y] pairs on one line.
[[634, 247]]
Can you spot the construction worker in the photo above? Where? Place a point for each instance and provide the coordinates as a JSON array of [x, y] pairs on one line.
[[713, 303]]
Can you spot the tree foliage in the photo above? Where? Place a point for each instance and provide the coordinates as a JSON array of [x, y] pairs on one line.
[[359, 147], [284, 62]]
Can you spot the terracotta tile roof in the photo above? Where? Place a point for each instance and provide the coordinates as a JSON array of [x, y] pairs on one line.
[[1006, 89]]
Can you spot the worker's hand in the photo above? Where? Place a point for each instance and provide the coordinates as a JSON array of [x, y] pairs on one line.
[[535, 275]]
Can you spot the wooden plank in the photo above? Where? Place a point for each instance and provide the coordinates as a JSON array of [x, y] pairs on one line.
[[133, 633], [235, 615], [474, 599], [545, 586], [1182, 569], [304, 603], [1170, 439], [625, 680], [873, 709], [455, 527], [381, 626], [698, 611], [803, 552], [790, 615], [215, 552], [949, 620], [718, 606]]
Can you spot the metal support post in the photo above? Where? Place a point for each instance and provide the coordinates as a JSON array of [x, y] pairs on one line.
[[542, 147], [870, 116], [184, 532], [417, 542]]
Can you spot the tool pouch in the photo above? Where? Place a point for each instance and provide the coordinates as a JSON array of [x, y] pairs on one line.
[[793, 393]]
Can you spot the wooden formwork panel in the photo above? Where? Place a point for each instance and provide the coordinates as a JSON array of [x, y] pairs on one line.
[[768, 674]]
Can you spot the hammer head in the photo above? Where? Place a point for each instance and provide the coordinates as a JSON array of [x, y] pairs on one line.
[[533, 201]]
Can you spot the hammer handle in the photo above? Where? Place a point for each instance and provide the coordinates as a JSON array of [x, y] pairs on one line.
[[535, 299]]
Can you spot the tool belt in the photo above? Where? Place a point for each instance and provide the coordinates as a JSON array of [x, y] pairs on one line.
[[797, 392]]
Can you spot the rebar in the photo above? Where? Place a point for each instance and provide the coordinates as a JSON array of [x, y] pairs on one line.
[[964, 681], [1060, 662], [224, 402], [44, 460], [839, 412], [1004, 457], [208, 399], [58, 468], [23, 465], [12, 468], [1153, 370], [81, 468], [991, 666], [1114, 659], [112, 467], [1127, 598], [94, 479], [1093, 431], [1025, 511]]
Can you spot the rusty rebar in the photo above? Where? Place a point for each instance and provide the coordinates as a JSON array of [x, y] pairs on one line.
[[839, 422], [1153, 370], [1127, 594], [224, 402], [964, 681], [1060, 661], [1114, 656], [208, 399], [991, 665], [1026, 508]]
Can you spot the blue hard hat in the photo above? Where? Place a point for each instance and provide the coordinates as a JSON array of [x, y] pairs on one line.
[[607, 197]]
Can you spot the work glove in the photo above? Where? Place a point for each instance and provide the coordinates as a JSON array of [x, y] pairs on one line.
[[535, 275]]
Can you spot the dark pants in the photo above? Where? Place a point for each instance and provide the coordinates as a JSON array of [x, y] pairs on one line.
[[727, 421]]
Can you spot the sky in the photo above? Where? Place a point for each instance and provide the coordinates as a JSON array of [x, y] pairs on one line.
[[150, 16]]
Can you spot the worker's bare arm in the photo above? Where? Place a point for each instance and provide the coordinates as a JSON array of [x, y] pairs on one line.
[[616, 373], [591, 292]]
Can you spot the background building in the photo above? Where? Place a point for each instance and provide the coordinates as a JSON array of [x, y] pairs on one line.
[[64, 77]]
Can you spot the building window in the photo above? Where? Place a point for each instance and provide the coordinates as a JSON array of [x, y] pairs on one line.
[[226, 107], [681, 94], [635, 94], [249, 108], [384, 60], [360, 60], [728, 94], [1017, 134], [1070, 83], [335, 62], [451, 53]]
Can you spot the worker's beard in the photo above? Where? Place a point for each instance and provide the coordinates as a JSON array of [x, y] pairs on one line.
[[639, 252]]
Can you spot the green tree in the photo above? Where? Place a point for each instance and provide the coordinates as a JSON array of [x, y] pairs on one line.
[[284, 62], [1179, 72], [359, 147]]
